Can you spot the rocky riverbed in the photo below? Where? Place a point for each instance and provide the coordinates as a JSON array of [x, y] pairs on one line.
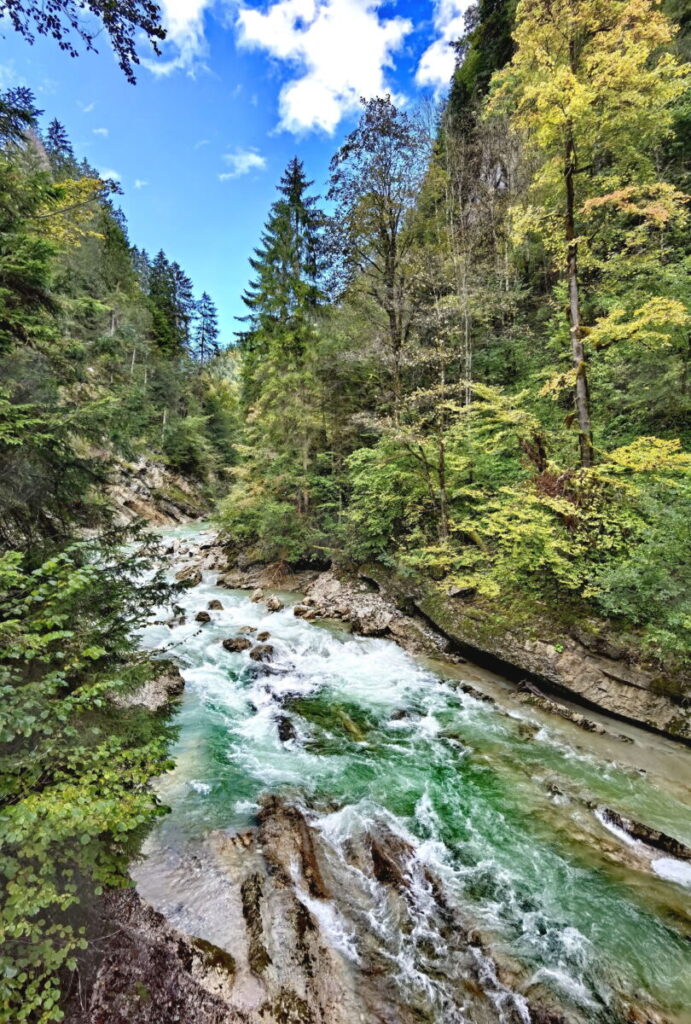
[[359, 833]]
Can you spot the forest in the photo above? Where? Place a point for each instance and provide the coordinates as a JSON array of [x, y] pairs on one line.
[[467, 362], [471, 361]]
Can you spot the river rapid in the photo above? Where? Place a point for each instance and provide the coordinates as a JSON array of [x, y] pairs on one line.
[[466, 869]]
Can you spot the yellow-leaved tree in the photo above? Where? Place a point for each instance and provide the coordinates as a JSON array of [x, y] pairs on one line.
[[590, 88]]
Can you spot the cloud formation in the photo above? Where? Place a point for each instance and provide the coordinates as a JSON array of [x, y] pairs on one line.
[[185, 41], [340, 50], [140, 183], [437, 62], [108, 173], [101, 131], [242, 161]]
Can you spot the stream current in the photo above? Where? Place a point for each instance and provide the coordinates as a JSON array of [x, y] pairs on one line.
[[499, 801]]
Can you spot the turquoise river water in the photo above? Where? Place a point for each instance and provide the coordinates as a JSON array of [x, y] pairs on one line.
[[500, 799]]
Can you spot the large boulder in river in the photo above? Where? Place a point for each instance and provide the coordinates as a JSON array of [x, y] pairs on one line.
[[257, 595], [263, 636], [234, 644], [274, 604], [202, 617], [302, 611], [215, 605], [191, 576], [262, 652]]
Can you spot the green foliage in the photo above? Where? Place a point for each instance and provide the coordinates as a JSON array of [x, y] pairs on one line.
[[74, 768], [439, 438]]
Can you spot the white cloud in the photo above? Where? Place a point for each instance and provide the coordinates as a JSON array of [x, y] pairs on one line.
[[184, 24], [242, 161], [140, 183], [437, 62], [340, 50], [108, 172], [101, 131], [87, 107]]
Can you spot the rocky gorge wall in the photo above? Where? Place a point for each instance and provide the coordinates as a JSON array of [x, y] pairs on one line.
[[149, 491]]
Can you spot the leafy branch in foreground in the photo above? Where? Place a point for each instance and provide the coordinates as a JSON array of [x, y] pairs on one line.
[[63, 18], [74, 768]]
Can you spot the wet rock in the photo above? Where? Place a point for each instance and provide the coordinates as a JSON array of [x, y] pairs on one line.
[[177, 620], [349, 725], [263, 636], [390, 856], [286, 729], [191, 576], [232, 580], [527, 730], [251, 892], [649, 836], [285, 831], [473, 691], [302, 611], [257, 595], [288, 870], [274, 604], [262, 652], [531, 695], [215, 605], [247, 629], [202, 617], [235, 644]]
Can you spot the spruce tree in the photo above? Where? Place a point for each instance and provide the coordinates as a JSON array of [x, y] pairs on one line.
[[206, 331], [285, 290], [163, 309], [184, 305], [59, 147]]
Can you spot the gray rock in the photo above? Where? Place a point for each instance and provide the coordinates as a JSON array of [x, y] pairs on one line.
[[274, 604], [257, 595], [202, 617], [215, 605]]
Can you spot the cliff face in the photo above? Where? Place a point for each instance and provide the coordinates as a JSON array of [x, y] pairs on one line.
[[146, 490]]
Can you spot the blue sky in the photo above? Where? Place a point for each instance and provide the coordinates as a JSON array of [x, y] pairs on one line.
[[200, 142]]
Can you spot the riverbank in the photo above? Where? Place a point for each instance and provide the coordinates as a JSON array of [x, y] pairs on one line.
[[311, 847], [586, 665]]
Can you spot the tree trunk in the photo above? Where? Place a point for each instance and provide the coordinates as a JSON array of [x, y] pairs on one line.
[[581, 397]]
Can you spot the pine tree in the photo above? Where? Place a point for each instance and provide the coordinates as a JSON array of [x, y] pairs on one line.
[[184, 305], [206, 330], [59, 147], [285, 292], [18, 114], [163, 309]]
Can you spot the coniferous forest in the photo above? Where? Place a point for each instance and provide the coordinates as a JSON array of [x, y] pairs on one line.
[[463, 372]]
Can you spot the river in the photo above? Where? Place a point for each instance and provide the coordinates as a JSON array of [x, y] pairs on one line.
[[494, 811]]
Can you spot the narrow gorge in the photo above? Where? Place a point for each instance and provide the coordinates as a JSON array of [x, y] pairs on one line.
[[359, 833]]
